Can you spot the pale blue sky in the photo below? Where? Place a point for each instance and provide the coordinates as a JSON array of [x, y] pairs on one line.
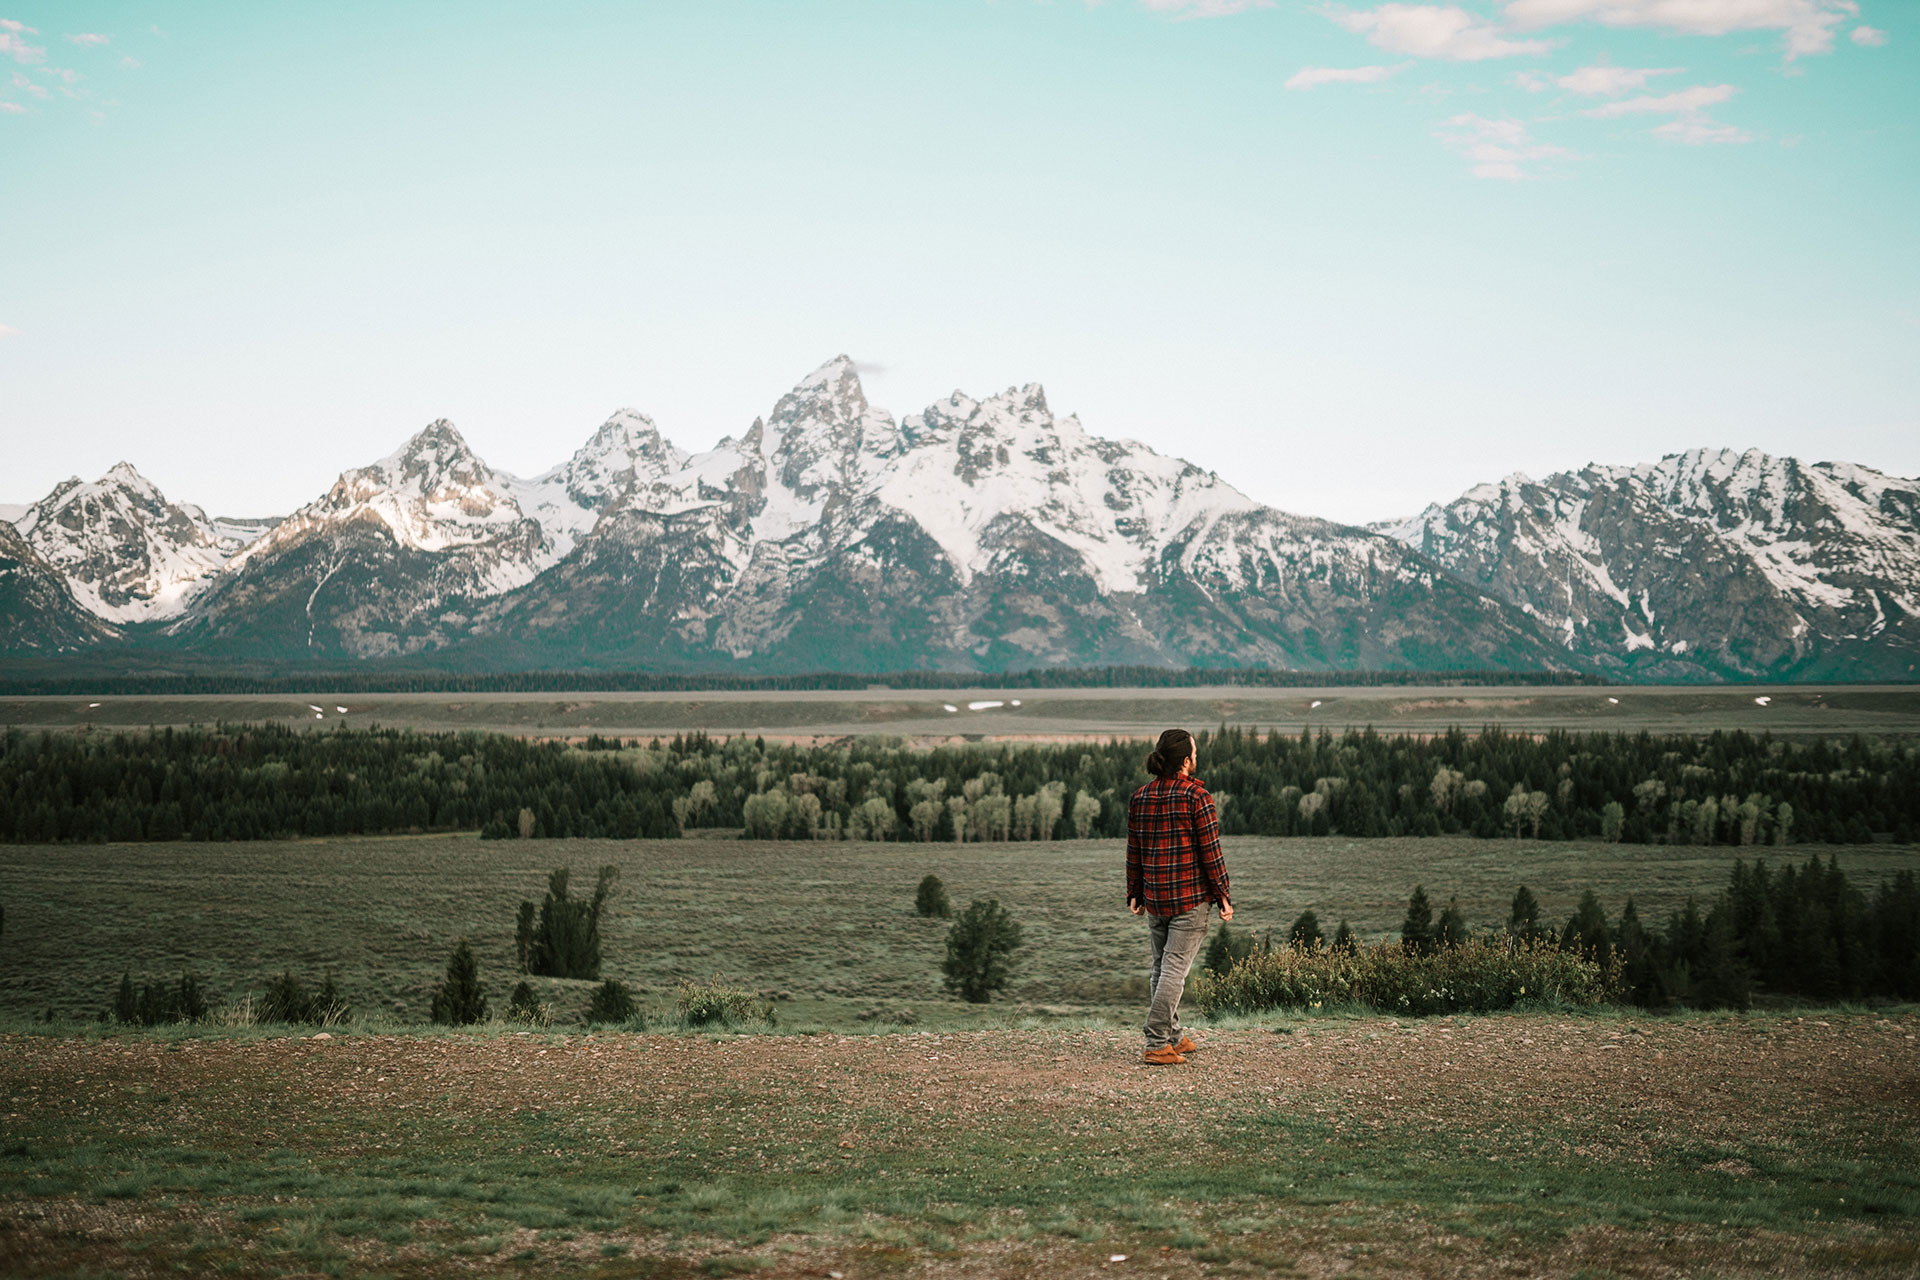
[[247, 246]]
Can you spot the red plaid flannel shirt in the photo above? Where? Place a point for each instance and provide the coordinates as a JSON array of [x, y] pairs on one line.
[[1173, 847]]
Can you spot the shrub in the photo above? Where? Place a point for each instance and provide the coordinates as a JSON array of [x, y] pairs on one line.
[[931, 899], [154, 1003], [1226, 949], [717, 1003], [1416, 931], [565, 942], [1306, 931], [1343, 939], [523, 1007], [288, 1000], [460, 1000], [1476, 977], [612, 1003], [1451, 930], [980, 948]]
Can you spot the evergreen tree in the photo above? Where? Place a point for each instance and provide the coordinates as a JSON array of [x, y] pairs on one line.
[[460, 1000], [1587, 931], [1523, 918], [612, 1003], [1343, 939], [566, 939], [980, 948], [1416, 931], [931, 899], [1451, 931], [1305, 934]]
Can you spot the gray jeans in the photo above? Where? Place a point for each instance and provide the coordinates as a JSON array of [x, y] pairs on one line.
[[1174, 942]]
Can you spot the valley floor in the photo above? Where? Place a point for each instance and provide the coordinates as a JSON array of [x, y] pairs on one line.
[[1762, 1144]]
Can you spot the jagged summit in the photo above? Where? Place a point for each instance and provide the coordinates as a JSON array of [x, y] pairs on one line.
[[127, 554], [1706, 561], [989, 533]]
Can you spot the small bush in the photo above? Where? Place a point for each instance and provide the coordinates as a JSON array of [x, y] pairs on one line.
[[715, 1003], [1226, 949], [153, 1003], [980, 948], [1305, 933], [288, 1000], [931, 899], [612, 1003], [1478, 976], [460, 1000], [524, 1008]]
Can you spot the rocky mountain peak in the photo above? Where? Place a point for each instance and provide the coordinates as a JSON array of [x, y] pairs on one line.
[[127, 553]]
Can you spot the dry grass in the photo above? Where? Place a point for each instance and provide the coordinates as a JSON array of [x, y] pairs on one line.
[[1762, 1145]]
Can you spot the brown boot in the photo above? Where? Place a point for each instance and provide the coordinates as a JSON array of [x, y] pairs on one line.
[[1164, 1055], [1186, 1044]]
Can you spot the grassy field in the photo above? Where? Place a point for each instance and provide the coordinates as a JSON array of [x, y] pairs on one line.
[[828, 927], [1510, 1145], [1021, 1138], [931, 716]]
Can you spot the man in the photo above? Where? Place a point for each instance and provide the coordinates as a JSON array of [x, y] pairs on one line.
[[1174, 873]]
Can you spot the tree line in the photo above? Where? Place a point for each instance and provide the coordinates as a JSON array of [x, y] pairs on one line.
[[265, 782], [275, 681]]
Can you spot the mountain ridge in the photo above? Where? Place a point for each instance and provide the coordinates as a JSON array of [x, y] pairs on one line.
[[990, 534]]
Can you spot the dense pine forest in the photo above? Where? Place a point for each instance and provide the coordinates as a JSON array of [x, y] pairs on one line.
[[255, 782]]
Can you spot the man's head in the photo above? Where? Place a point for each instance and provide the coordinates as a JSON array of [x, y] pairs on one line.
[[1173, 755]]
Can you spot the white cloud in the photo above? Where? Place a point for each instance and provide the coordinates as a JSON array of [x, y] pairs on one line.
[[90, 38], [1308, 77], [1437, 31], [1693, 126], [16, 109], [1597, 81], [1808, 24], [1497, 148], [129, 61], [1205, 8], [13, 42], [8, 331], [9, 24], [26, 83], [1687, 102], [1869, 37], [1700, 132]]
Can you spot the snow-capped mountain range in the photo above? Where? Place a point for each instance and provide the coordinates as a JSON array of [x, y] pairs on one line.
[[977, 534]]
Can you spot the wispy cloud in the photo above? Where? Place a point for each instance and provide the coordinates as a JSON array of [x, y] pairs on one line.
[[1701, 132], [1808, 25], [1308, 77], [13, 108], [8, 331], [129, 61], [1497, 149], [1869, 37], [1693, 125], [1597, 81], [1205, 8], [27, 84], [1690, 102], [13, 42], [90, 39], [1437, 31]]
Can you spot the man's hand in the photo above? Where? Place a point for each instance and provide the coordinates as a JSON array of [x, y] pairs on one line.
[[1136, 906], [1226, 912]]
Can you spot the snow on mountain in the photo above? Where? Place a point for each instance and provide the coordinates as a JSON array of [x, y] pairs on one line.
[[126, 553], [625, 455], [1708, 559], [434, 495]]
